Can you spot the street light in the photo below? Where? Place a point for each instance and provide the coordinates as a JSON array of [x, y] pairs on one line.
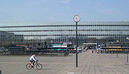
[[127, 50], [76, 19]]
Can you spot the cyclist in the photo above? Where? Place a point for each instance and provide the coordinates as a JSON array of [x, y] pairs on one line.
[[33, 60]]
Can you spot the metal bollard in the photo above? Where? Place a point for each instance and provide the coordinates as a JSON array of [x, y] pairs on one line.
[[92, 51], [127, 57], [0, 72]]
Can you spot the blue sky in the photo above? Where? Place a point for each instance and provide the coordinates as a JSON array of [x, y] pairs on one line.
[[62, 11]]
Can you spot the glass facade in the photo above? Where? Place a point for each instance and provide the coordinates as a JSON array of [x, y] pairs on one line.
[[102, 33]]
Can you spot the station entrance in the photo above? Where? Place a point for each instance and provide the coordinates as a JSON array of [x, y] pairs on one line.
[[104, 35]]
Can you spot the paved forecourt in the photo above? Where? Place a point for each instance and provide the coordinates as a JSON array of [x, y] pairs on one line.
[[93, 63], [51, 64], [89, 63]]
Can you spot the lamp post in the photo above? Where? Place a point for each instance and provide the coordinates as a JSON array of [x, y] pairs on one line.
[[76, 19], [127, 50]]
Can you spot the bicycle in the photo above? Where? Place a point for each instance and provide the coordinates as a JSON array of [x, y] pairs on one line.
[[36, 64]]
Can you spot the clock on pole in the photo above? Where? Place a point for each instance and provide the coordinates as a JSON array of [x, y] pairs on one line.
[[76, 18]]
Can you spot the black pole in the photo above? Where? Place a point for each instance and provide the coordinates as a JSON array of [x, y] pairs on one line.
[[0, 72], [127, 57], [76, 45], [117, 53]]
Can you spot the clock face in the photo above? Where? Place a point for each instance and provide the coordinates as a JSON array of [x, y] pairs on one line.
[[76, 18]]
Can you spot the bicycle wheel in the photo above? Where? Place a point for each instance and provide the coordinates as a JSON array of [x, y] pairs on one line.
[[39, 66], [28, 66]]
